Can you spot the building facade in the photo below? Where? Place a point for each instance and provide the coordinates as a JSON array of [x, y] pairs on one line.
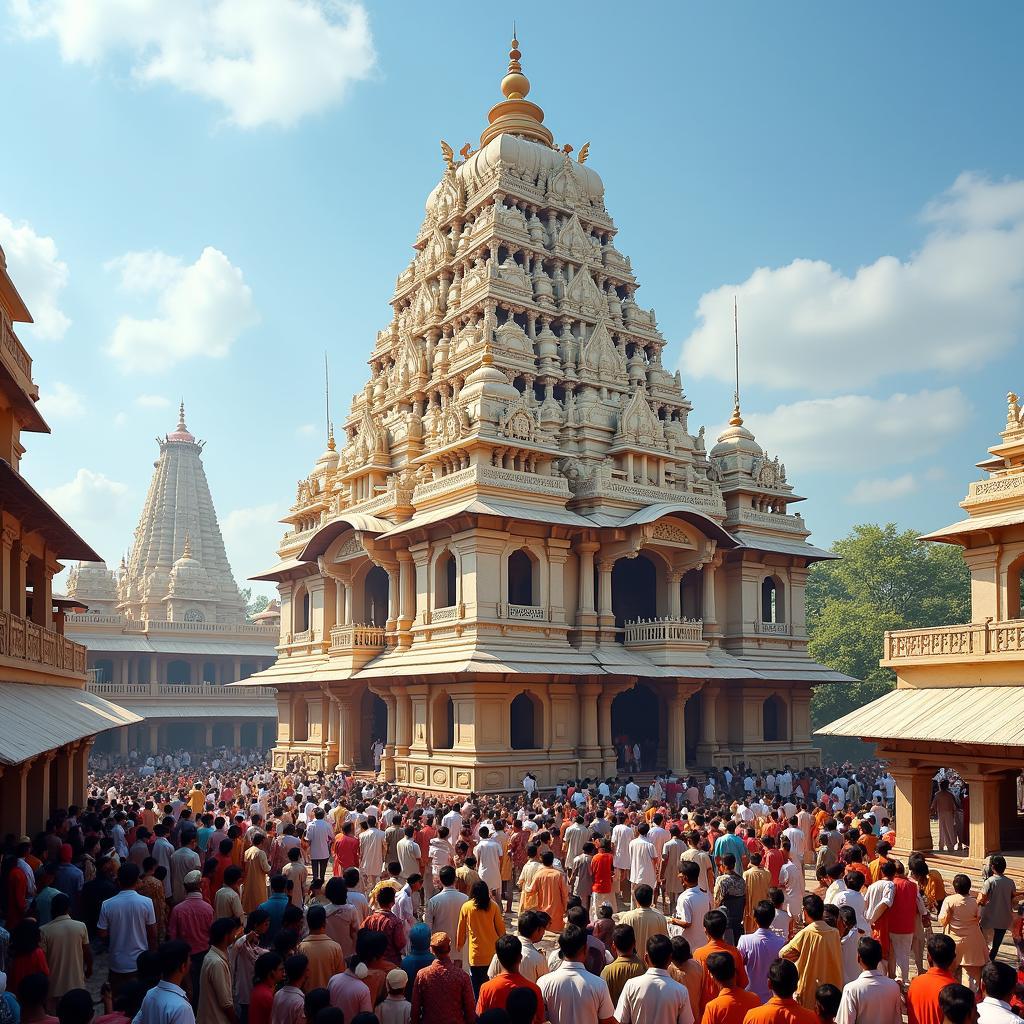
[[522, 557], [168, 631], [48, 722], [959, 697]]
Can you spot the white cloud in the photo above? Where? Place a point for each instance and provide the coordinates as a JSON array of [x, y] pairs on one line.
[[956, 303], [61, 402], [251, 536], [39, 275], [152, 401], [263, 61], [99, 508], [857, 432], [305, 430], [202, 309], [879, 490]]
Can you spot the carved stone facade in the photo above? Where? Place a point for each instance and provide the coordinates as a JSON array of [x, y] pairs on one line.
[[517, 494]]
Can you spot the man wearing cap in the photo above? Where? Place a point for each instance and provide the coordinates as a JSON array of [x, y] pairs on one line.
[[394, 1009], [190, 922], [183, 861], [442, 993]]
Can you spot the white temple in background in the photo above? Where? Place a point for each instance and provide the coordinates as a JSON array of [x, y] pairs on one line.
[[168, 630], [522, 557]]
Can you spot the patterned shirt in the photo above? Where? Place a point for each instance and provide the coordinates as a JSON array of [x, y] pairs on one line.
[[443, 994]]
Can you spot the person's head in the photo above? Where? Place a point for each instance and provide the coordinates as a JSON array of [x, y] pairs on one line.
[[32, 991], [715, 923], [397, 980], [480, 895], [869, 953], [690, 873], [624, 939], [783, 978], [386, 897], [128, 876], [60, 905], [224, 930], [509, 951], [681, 952], [447, 876], [659, 951], [814, 907], [440, 944], [175, 957], [998, 863], [644, 895], [961, 884], [572, 942], [316, 917], [957, 1004], [722, 968], [531, 925], [296, 969], [764, 913], [269, 967], [846, 920], [521, 1006], [826, 1002], [278, 884], [419, 938], [316, 999], [941, 951], [998, 980]]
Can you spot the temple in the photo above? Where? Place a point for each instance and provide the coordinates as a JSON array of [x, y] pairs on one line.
[[168, 630], [521, 557], [48, 722], [959, 688]]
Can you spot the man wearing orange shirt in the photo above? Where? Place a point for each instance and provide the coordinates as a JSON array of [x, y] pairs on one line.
[[923, 993], [715, 923], [731, 1004], [782, 1008], [495, 993]]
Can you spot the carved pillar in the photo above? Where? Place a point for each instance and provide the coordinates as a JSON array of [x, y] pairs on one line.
[[339, 601], [6, 572], [604, 730], [122, 740], [346, 733], [710, 613], [605, 616], [675, 610], [983, 836], [349, 599], [37, 790], [387, 761], [394, 597], [154, 674], [403, 724], [259, 735], [19, 575], [208, 735], [80, 769], [588, 698], [586, 614], [708, 746], [407, 596], [14, 797], [677, 696]]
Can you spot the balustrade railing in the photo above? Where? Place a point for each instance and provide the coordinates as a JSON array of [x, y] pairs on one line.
[[772, 628], [663, 631], [357, 635], [526, 612], [974, 638], [212, 690], [24, 639]]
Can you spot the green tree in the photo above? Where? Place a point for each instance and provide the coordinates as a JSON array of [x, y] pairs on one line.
[[884, 579], [253, 605]]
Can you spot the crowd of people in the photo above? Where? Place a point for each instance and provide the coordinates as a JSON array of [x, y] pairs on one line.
[[215, 890]]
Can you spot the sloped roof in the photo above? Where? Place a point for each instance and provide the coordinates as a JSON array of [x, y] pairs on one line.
[[954, 714]]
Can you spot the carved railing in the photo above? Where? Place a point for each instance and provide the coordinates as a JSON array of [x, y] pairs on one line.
[[357, 636], [663, 631], [526, 612], [448, 614], [215, 691], [772, 628], [975, 638], [16, 352], [24, 639], [169, 626]]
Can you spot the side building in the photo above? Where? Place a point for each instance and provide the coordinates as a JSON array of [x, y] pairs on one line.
[[48, 721], [168, 630], [522, 557], [959, 697]]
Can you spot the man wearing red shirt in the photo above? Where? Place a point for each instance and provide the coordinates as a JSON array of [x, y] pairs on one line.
[[494, 993], [601, 870], [715, 923], [902, 917], [268, 973], [346, 850], [387, 922], [923, 993], [774, 859]]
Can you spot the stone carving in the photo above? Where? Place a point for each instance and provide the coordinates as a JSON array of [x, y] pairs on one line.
[[518, 422], [583, 295], [638, 424], [667, 531]]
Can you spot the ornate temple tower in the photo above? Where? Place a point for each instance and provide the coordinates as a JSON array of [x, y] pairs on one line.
[[169, 630], [521, 556]]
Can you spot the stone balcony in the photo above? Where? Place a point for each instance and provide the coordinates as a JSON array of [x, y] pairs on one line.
[[33, 645], [356, 643], [212, 691], [970, 642], [664, 634]]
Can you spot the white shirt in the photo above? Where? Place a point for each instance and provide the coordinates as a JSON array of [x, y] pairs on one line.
[[632, 792], [165, 1004], [654, 998], [442, 911], [691, 907], [659, 836], [532, 967], [871, 999], [880, 895], [796, 838], [409, 856], [319, 836], [849, 898], [851, 966], [126, 916], [995, 1011], [622, 836], [453, 822], [488, 860], [642, 857], [574, 996], [709, 791]]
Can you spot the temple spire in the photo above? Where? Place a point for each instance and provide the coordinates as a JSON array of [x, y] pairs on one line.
[[515, 115], [736, 420]]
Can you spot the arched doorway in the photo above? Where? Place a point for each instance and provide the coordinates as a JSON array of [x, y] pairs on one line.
[[634, 590], [442, 722], [637, 715], [373, 722], [520, 578], [526, 727], [375, 597]]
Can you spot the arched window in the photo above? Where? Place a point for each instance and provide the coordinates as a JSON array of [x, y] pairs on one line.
[[772, 603], [375, 597], [1014, 587], [525, 725], [301, 610], [300, 719], [445, 581], [194, 615], [774, 719], [179, 672], [520, 578]]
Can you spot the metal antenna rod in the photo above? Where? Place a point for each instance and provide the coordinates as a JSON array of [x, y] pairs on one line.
[[327, 392], [736, 340]]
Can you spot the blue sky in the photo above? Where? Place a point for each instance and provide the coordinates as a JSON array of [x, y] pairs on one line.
[[200, 199]]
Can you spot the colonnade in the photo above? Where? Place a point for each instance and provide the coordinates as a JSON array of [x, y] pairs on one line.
[[31, 790]]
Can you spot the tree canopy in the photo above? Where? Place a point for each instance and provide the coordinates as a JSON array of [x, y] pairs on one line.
[[253, 605], [884, 579]]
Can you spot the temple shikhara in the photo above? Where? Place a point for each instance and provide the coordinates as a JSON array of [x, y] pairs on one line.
[[959, 688], [522, 555], [48, 721], [168, 630]]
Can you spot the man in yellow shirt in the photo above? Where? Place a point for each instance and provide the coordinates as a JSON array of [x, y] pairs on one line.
[[196, 799]]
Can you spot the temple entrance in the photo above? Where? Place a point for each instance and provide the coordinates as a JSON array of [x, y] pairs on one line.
[[373, 725], [637, 720]]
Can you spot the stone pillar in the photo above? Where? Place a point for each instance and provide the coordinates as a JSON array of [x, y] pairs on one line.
[[259, 735], [604, 732], [236, 735], [19, 576], [347, 732], [709, 612], [913, 803], [675, 609], [37, 790], [387, 762], [605, 615], [6, 574], [708, 746], [122, 740], [62, 770], [80, 770], [14, 797], [394, 597], [406, 596], [676, 697], [403, 724], [589, 741], [154, 737], [236, 669], [208, 735], [154, 674], [984, 834]]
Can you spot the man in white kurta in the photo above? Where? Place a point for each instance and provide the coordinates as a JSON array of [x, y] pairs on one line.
[[488, 860]]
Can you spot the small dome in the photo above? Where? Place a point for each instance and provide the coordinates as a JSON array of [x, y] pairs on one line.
[[487, 381], [736, 439], [331, 458]]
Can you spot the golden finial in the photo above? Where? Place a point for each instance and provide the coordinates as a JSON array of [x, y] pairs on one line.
[[331, 446], [181, 416], [515, 114], [515, 85], [736, 419], [187, 550]]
